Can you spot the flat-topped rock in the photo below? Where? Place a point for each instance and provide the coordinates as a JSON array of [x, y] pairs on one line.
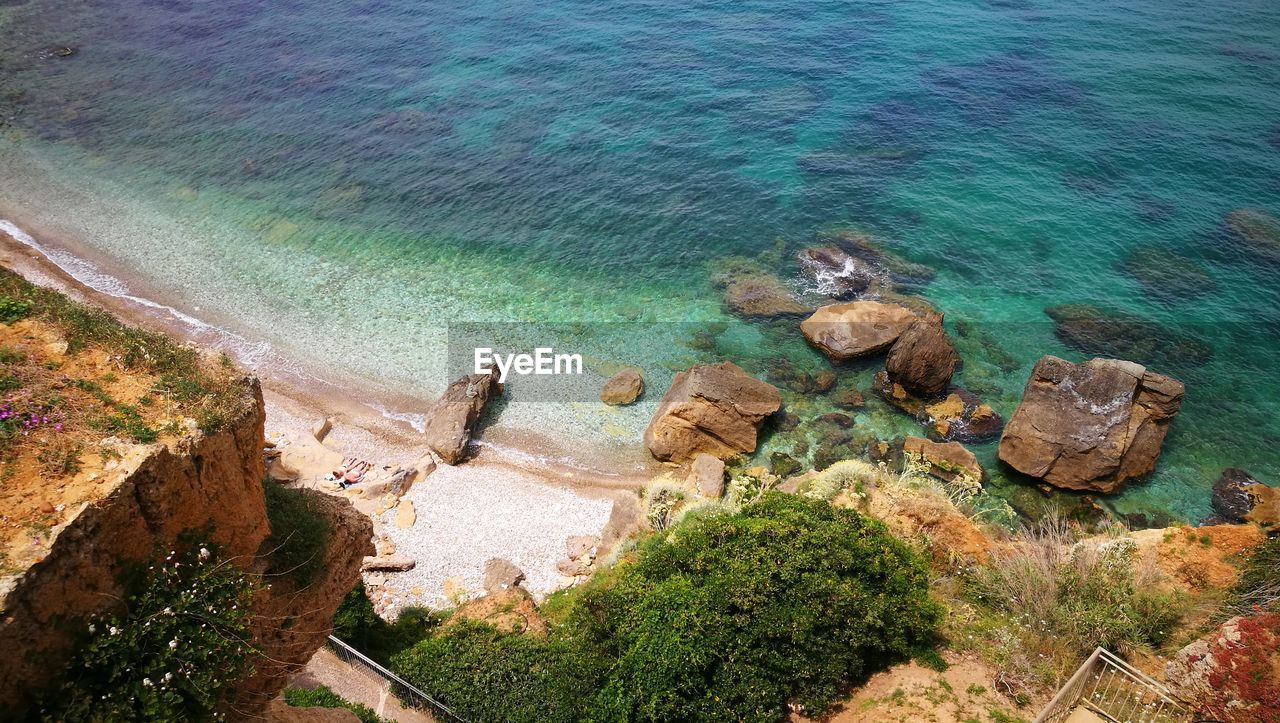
[[1090, 426], [711, 408], [856, 329]]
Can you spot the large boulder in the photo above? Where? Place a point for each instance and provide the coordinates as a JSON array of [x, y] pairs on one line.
[[1090, 426], [922, 359], [762, 296], [834, 272], [625, 387], [453, 417], [856, 329], [1239, 497], [711, 408]]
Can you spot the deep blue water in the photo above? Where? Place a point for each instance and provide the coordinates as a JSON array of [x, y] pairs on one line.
[[384, 168]]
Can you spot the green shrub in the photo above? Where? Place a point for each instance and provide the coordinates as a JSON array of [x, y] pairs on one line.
[[299, 534], [322, 697], [724, 617], [12, 309], [180, 643], [735, 616], [483, 674]]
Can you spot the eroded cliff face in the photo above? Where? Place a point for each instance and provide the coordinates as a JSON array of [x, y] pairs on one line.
[[210, 483], [291, 623]]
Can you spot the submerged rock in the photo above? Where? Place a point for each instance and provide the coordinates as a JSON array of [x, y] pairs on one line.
[[1239, 498], [1100, 332], [1166, 275], [856, 329], [859, 245], [1257, 231], [922, 359], [625, 387], [1090, 426], [453, 418], [762, 296], [957, 414], [835, 272], [711, 408]]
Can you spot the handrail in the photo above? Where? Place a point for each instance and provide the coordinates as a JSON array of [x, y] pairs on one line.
[[411, 694], [1119, 692]]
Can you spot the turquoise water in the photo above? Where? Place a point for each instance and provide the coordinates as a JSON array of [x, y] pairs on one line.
[[371, 171]]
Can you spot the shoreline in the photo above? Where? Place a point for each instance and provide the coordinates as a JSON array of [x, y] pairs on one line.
[[48, 258]]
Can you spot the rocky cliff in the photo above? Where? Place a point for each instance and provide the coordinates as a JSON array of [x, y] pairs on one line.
[[208, 483]]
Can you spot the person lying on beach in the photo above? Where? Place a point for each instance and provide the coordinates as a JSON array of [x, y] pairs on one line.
[[356, 473], [341, 470]]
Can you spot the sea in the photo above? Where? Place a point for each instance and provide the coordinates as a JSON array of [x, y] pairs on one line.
[[351, 190]]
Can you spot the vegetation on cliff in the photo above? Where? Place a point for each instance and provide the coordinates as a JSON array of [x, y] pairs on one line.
[[180, 644], [724, 616]]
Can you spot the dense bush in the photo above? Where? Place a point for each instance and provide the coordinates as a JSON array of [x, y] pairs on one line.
[[299, 534], [483, 674], [181, 642], [724, 617], [733, 616], [322, 697]]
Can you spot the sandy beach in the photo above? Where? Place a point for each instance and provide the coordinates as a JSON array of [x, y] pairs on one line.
[[518, 498]]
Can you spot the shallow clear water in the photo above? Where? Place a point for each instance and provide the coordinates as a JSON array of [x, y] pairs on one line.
[[371, 171]]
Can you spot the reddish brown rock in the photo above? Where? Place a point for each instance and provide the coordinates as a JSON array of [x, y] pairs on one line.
[[762, 296], [625, 387], [711, 408], [922, 359], [856, 329], [453, 417], [1090, 426]]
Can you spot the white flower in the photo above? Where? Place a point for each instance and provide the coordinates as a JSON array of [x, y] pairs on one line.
[[114, 630], [146, 682], [168, 677], [93, 628], [173, 644], [204, 554]]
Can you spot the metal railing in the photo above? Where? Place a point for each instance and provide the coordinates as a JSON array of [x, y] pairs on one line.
[[1116, 691], [409, 695]]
